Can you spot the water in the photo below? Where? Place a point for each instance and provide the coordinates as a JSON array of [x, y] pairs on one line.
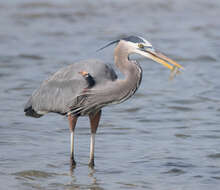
[[166, 137]]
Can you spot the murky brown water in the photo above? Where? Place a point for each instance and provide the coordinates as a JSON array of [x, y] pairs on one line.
[[166, 137]]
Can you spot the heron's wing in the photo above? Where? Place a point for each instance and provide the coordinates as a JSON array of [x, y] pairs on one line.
[[54, 93], [112, 92]]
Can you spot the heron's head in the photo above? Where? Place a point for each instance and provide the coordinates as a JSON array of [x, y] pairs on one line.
[[138, 45]]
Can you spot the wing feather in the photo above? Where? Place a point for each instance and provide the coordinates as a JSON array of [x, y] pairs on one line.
[[55, 93]]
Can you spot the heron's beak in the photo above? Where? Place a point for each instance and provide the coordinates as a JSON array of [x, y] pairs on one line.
[[162, 59]]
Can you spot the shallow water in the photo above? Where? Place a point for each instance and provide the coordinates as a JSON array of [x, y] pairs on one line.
[[166, 137]]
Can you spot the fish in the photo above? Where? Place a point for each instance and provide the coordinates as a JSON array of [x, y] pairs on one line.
[[175, 70]]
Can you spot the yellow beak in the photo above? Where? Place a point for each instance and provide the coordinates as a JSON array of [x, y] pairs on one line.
[[164, 60]]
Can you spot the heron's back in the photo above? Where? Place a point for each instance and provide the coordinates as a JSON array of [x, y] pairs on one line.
[[55, 93]]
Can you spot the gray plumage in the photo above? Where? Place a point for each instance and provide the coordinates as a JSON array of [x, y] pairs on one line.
[[55, 93], [63, 92], [110, 92]]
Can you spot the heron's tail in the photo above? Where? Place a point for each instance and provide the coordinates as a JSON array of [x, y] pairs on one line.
[[29, 111]]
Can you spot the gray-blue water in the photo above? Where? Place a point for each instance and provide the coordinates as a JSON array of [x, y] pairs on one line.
[[165, 137]]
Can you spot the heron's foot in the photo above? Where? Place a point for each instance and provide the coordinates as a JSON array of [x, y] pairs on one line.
[[72, 162], [91, 163]]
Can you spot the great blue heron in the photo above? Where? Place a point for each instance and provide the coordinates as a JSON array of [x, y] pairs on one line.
[[68, 93]]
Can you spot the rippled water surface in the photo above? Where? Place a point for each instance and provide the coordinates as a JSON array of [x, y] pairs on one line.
[[166, 137]]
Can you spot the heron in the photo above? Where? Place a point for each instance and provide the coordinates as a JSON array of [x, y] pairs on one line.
[[70, 92]]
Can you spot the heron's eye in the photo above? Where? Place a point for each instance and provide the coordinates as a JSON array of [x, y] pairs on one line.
[[141, 46]]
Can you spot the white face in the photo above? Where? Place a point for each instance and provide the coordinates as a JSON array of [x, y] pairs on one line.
[[139, 47]]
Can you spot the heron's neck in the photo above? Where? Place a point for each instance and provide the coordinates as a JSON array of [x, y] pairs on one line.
[[131, 70]]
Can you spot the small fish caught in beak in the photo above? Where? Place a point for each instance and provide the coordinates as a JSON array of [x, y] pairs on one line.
[[165, 61], [174, 72]]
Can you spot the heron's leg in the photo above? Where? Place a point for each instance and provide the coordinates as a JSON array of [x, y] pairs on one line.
[[72, 123], [94, 122]]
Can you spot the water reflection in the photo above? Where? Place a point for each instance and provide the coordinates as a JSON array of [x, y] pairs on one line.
[[94, 184]]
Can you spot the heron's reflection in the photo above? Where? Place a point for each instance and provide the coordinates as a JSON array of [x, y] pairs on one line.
[[94, 185]]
